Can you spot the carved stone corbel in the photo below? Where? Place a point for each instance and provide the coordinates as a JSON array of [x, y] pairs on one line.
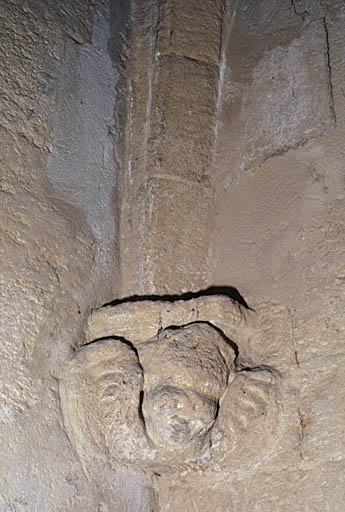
[[158, 386]]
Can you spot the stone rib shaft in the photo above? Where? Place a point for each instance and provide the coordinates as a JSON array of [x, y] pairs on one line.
[[173, 87]]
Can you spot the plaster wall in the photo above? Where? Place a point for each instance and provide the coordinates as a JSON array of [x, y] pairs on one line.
[[58, 246], [279, 234], [202, 148], [278, 238]]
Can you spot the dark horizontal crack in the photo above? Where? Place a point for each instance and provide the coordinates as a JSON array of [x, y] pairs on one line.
[[228, 291], [258, 368]]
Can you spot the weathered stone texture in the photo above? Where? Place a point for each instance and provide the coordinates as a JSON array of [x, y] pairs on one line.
[[191, 29], [51, 252], [170, 137], [280, 95], [182, 126], [183, 245], [281, 108], [166, 399], [245, 152], [285, 248], [139, 321], [83, 146]]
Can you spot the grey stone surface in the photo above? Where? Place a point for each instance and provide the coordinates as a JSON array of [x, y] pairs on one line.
[[53, 239], [180, 399], [169, 142], [278, 96], [141, 320], [81, 164], [240, 183]]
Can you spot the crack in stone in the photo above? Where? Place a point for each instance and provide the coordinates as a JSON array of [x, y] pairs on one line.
[[332, 108], [292, 313], [297, 12], [259, 368]]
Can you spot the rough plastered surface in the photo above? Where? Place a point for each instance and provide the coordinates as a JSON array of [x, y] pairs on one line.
[[279, 238], [58, 233], [204, 147], [83, 146], [278, 96]]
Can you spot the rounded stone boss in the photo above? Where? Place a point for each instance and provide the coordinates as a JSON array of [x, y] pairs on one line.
[[173, 400]]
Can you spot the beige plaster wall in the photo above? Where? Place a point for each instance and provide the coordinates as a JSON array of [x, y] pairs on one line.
[[278, 237], [58, 255], [204, 148], [279, 231]]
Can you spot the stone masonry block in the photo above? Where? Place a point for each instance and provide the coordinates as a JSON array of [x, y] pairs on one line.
[[183, 116], [177, 243], [191, 29]]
